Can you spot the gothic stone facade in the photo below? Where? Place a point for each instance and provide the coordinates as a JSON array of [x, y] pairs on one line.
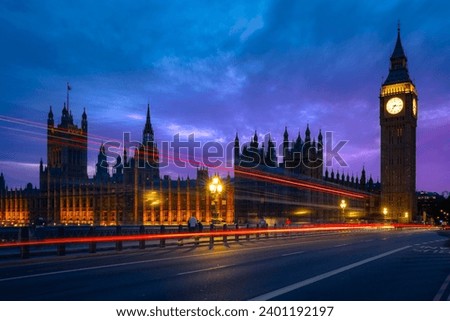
[[134, 193], [295, 188]]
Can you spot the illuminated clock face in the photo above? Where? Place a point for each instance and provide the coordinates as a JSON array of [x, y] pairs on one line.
[[414, 107], [394, 105]]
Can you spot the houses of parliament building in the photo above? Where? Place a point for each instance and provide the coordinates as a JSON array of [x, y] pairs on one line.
[[132, 192], [265, 185]]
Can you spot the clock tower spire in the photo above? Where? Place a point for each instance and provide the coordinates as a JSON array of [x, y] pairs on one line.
[[398, 71], [398, 121]]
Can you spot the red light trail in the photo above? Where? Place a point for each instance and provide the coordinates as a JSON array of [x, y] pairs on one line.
[[236, 232], [298, 183]]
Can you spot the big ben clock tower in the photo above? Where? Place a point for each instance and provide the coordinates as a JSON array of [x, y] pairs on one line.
[[398, 121]]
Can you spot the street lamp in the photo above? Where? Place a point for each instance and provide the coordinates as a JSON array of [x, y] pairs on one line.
[[385, 211], [343, 205], [216, 187]]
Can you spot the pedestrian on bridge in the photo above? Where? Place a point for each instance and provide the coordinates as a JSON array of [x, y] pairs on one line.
[[192, 224]]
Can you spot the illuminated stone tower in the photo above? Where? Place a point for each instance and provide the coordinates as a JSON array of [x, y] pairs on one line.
[[398, 121], [66, 150]]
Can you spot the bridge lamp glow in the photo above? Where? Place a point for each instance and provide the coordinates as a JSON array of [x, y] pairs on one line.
[[215, 186], [343, 205]]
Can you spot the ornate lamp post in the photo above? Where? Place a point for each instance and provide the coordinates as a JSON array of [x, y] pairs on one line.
[[343, 205], [385, 211], [216, 187]]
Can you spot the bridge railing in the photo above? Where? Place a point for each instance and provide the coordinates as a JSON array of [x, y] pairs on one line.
[[38, 240]]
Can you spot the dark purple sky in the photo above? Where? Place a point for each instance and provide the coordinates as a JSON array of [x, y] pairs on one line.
[[213, 68]]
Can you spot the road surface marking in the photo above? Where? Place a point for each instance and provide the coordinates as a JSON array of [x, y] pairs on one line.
[[204, 270], [293, 253], [340, 245], [99, 267], [301, 284], [441, 291], [253, 248]]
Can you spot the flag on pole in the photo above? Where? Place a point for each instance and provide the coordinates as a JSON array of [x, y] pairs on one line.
[[68, 89]]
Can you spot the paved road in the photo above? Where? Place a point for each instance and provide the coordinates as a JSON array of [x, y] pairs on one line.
[[388, 265]]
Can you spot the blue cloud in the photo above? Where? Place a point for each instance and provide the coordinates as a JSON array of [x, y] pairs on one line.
[[219, 67]]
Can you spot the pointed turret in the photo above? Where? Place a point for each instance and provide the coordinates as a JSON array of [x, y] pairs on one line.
[[254, 142], [2, 183], [50, 113], [84, 123], [362, 180], [320, 149], [102, 165], [271, 156], [148, 135], [285, 145], [236, 150], [307, 134], [370, 183], [50, 120], [298, 143], [65, 117]]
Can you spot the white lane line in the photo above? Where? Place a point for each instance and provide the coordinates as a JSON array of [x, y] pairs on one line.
[[82, 269], [340, 245], [30, 276], [442, 289], [204, 270], [298, 285], [293, 253]]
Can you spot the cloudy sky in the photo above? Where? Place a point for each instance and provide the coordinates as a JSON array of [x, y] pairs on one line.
[[214, 68]]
